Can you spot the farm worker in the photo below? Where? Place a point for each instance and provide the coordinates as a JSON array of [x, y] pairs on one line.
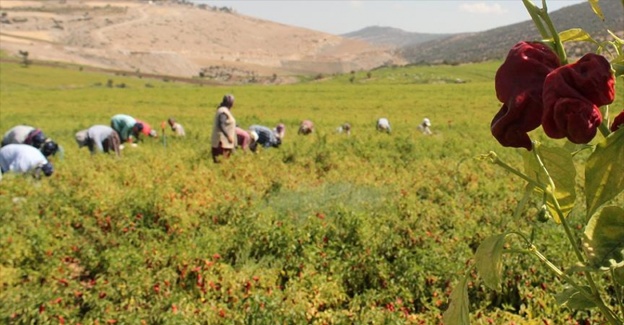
[[126, 127], [266, 137], [345, 128], [424, 126], [24, 134], [306, 127], [383, 125], [176, 127], [244, 139], [280, 130], [147, 129], [23, 158], [102, 137], [224, 129]]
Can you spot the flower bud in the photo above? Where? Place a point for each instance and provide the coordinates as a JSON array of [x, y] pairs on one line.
[[543, 215]]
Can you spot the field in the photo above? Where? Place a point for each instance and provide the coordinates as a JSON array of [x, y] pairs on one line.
[[327, 229]]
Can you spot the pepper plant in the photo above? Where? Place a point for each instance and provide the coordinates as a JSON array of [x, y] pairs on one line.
[[539, 87]]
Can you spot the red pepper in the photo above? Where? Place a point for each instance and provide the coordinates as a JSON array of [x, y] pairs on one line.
[[618, 122], [519, 82], [572, 96]]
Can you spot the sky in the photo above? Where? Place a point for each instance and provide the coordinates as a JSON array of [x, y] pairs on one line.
[[421, 16]]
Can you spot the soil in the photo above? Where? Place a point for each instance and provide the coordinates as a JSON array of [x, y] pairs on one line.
[[179, 39]]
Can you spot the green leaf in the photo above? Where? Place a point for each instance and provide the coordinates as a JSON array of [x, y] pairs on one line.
[[560, 166], [604, 237], [458, 312], [575, 35], [528, 190], [574, 299], [604, 172], [596, 9], [489, 262]]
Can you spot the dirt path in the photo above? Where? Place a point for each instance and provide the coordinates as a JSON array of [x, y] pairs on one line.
[[98, 34]]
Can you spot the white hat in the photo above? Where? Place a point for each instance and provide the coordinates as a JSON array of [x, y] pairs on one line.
[[81, 138], [254, 135], [426, 122]]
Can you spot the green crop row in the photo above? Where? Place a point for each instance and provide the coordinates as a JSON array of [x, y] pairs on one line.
[[369, 228]]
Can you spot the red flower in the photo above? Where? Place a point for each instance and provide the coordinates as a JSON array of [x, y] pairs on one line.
[[618, 122], [572, 96], [519, 82]]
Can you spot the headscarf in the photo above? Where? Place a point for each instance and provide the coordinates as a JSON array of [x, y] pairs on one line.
[[254, 135], [81, 138], [139, 127], [47, 169], [280, 130], [49, 148], [228, 101]]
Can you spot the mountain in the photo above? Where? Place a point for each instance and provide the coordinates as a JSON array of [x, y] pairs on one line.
[[391, 36], [178, 38], [495, 43]]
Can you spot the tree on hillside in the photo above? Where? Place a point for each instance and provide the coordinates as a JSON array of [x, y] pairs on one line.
[[24, 55]]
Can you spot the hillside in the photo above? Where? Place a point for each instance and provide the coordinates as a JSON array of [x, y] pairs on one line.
[[494, 43], [177, 39], [391, 36]]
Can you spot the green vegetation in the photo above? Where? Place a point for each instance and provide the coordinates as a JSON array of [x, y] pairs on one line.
[[327, 229]]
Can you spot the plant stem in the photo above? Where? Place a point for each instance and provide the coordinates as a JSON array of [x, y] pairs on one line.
[[533, 12], [533, 250], [543, 13], [539, 17], [514, 171], [551, 195], [608, 313], [604, 130]]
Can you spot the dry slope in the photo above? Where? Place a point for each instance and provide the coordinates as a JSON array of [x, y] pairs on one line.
[[176, 39]]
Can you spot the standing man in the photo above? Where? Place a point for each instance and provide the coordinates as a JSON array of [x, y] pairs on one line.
[[126, 127], [23, 158], [224, 129]]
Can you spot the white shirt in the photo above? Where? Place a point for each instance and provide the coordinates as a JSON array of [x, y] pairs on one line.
[[20, 158], [424, 127], [178, 129], [383, 124]]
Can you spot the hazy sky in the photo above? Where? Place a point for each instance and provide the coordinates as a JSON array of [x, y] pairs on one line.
[[422, 16]]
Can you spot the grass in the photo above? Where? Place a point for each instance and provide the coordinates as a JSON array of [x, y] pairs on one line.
[[329, 228]]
